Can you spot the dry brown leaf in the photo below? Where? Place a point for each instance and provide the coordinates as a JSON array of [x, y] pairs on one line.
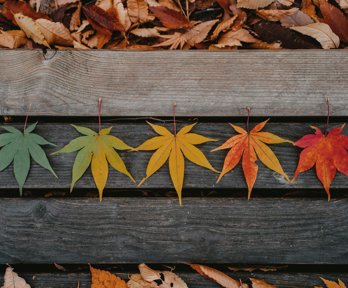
[[138, 11], [75, 20], [308, 8], [104, 279], [254, 4], [297, 19], [163, 279], [276, 14], [146, 32], [136, 281], [320, 32], [98, 40], [55, 32], [31, 29], [235, 38], [122, 14], [343, 3], [12, 39], [12, 280], [257, 283], [194, 36], [223, 26], [218, 276], [80, 46]]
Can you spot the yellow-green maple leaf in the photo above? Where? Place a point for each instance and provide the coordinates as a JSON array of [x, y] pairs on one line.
[[97, 150], [174, 147]]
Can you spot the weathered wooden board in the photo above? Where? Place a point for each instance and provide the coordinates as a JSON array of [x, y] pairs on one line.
[[157, 230], [292, 83], [196, 177], [280, 279]]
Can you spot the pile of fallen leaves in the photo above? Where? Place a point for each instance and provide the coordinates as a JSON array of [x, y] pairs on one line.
[[173, 24], [150, 278]]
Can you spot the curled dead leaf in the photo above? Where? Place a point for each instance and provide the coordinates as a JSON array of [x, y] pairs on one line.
[[55, 32]]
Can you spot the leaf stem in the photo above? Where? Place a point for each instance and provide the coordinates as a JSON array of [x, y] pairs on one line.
[[248, 109], [328, 115], [99, 113], [174, 119], [27, 116]]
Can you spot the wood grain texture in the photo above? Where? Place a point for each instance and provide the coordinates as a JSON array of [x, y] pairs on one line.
[[280, 279], [196, 177], [136, 230], [281, 83]]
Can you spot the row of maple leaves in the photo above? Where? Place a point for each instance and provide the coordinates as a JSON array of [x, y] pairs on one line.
[[150, 278], [153, 24], [327, 151]]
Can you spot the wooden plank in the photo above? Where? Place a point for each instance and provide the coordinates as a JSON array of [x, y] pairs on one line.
[[196, 177], [293, 83], [280, 279], [204, 230]]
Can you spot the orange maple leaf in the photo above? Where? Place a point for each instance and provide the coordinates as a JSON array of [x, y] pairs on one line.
[[104, 279], [327, 152], [249, 146]]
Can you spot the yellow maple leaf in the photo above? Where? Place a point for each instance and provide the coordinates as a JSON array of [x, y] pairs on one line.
[[96, 149], [174, 147], [104, 279]]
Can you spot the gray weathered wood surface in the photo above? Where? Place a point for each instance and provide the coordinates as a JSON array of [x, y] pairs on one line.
[[135, 133], [157, 230], [66, 83], [193, 280]]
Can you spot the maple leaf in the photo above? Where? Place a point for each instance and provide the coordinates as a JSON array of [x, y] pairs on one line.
[[327, 152], [174, 147], [104, 279], [12, 280], [217, 276], [18, 147], [249, 146], [96, 149], [332, 284]]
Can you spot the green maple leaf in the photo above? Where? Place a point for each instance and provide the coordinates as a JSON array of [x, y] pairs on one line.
[[96, 149], [18, 147]]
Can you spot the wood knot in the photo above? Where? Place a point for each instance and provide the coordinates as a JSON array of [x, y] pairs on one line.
[[40, 211]]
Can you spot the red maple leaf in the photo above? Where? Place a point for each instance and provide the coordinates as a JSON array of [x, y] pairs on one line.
[[328, 152]]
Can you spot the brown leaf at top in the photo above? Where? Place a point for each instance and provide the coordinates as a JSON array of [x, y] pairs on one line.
[[217, 276], [273, 32], [16, 6], [12, 39], [254, 4], [335, 18], [104, 279], [31, 29], [275, 15], [320, 32], [297, 19], [55, 32], [257, 283], [138, 11], [101, 18], [192, 37], [12, 280], [170, 18]]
